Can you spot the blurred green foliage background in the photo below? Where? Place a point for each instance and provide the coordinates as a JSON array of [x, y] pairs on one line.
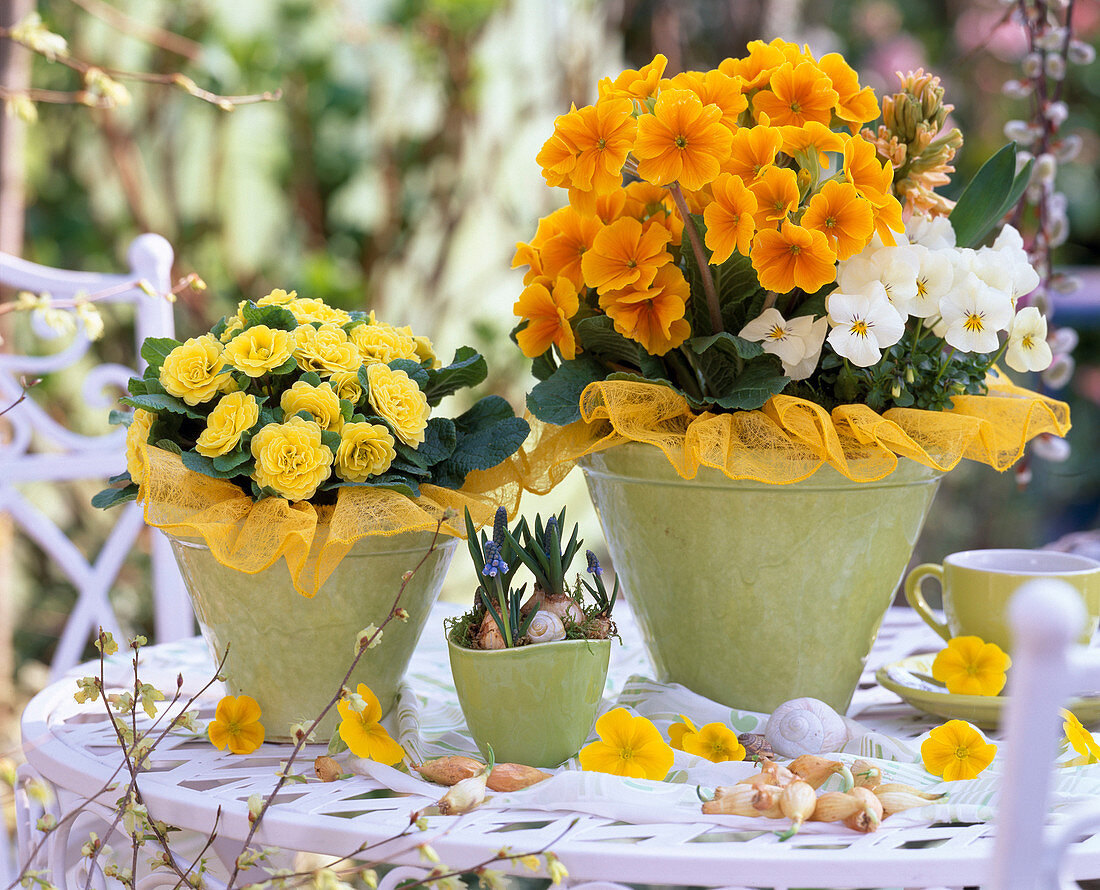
[[398, 171]]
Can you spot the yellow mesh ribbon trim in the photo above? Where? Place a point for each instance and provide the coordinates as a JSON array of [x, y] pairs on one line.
[[790, 438], [251, 535]]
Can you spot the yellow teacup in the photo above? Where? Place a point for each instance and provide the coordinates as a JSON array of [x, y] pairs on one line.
[[977, 585]]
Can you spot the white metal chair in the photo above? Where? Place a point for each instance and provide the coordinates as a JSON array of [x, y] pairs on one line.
[[1047, 668], [39, 448]]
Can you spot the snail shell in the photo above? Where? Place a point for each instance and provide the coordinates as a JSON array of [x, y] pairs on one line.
[[756, 746], [806, 726], [545, 627]]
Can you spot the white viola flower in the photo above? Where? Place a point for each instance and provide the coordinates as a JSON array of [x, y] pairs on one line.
[[814, 341], [785, 339], [935, 276], [973, 313], [864, 324], [895, 268], [1008, 239], [933, 232], [1006, 270], [1028, 349]]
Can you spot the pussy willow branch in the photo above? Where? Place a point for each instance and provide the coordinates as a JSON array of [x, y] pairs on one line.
[[284, 773], [700, 258], [169, 40], [187, 281], [24, 385], [83, 97], [134, 766]]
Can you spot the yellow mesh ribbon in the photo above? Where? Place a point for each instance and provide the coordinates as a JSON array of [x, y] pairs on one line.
[[251, 535], [790, 438]]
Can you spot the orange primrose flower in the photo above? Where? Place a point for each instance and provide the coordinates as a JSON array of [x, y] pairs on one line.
[[527, 255], [547, 309], [652, 316], [624, 254], [557, 157], [855, 106], [798, 94], [567, 236], [845, 218], [729, 218], [714, 88], [236, 724], [601, 136], [872, 179], [756, 68], [641, 84], [682, 141], [776, 191], [810, 140], [753, 149], [793, 257]]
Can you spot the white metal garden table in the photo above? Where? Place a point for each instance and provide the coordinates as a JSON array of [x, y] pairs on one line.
[[190, 784]]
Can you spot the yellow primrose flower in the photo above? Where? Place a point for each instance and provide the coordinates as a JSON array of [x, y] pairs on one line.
[[628, 746], [366, 449], [677, 732], [716, 742], [277, 297], [399, 401], [956, 751], [194, 370], [971, 666], [326, 350], [231, 327], [258, 350], [362, 732], [381, 342], [307, 309], [320, 402], [231, 417], [291, 459], [1080, 739], [137, 434], [237, 724], [347, 386]]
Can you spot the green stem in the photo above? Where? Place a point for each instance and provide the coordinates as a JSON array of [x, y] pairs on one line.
[[700, 258], [916, 339], [996, 357], [686, 373], [505, 614], [943, 367]]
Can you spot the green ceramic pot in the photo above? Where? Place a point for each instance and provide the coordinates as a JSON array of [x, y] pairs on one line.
[[752, 594], [289, 652], [534, 704]]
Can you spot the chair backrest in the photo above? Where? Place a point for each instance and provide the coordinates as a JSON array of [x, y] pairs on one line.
[[40, 448], [1048, 666]]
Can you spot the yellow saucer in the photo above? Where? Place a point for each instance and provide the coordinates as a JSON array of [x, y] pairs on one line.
[[984, 711]]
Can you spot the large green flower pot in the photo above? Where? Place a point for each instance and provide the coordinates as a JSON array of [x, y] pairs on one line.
[[533, 704], [290, 653], [752, 594]]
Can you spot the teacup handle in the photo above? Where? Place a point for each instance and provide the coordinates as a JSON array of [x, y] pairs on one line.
[[919, 603]]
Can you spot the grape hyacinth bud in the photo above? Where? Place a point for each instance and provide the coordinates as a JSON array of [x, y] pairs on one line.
[[593, 564], [494, 562], [500, 520], [551, 524]]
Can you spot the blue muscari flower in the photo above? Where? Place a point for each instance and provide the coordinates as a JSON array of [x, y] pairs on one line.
[[499, 523], [593, 564], [494, 562], [551, 523]]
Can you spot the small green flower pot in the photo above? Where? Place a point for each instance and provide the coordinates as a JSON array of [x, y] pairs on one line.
[[290, 653], [533, 704], [752, 594]]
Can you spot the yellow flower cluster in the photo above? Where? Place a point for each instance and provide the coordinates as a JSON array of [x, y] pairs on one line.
[[288, 448], [765, 148]]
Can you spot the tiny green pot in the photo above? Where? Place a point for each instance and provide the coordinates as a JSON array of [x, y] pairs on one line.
[[290, 653], [752, 594], [533, 704]]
